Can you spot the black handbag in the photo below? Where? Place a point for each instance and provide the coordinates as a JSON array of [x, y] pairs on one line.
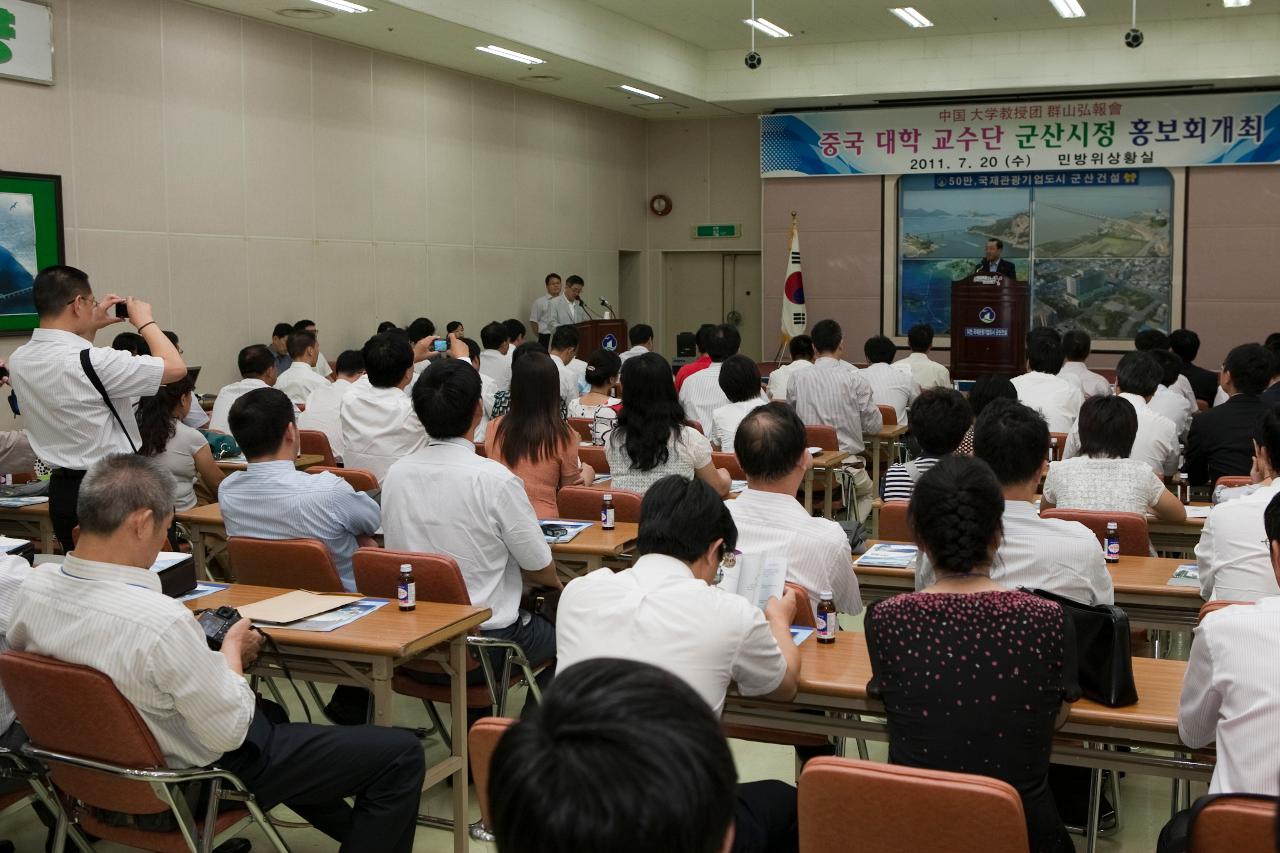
[[1104, 659]]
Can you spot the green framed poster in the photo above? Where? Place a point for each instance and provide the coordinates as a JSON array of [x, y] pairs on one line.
[[30, 240]]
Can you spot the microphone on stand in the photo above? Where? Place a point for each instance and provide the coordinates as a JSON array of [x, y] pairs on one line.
[[585, 309], [609, 312]]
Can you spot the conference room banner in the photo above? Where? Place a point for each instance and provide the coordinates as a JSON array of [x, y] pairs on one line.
[[1189, 130]]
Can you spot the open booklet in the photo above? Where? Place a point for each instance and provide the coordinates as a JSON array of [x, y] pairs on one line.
[[889, 555], [755, 577]]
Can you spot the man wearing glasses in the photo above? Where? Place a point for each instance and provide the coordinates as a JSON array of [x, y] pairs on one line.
[[70, 422]]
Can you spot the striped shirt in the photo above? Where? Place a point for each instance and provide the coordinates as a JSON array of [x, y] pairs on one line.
[[701, 396], [13, 571], [274, 500], [116, 620], [834, 393], [67, 423], [898, 482]]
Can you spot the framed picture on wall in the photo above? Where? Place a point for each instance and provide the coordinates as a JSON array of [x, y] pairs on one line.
[[30, 240]]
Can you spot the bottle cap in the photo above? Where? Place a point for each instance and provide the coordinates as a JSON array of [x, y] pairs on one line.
[[608, 496], [826, 593], [405, 567]]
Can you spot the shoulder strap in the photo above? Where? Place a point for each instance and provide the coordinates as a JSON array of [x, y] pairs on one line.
[[97, 384]]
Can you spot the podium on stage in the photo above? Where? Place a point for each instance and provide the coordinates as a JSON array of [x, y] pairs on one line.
[[988, 326], [598, 334]]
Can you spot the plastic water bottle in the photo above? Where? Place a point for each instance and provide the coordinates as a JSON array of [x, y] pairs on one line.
[[827, 625], [1113, 542], [407, 592]]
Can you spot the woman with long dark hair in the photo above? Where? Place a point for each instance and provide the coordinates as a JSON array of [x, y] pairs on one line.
[[533, 440], [598, 403], [973, 676], [652, 439], [183, 451]]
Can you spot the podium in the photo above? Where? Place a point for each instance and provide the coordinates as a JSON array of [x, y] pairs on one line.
[[988, 326], [593, 334]]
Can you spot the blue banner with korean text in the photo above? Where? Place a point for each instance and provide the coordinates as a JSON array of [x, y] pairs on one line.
[[1189, 130]]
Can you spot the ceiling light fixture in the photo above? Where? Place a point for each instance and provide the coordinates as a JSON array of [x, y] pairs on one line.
[[513, 55], [909, 16], [769, 28], [343, 6], [1068, 8], [1236, 4], [641, 92]]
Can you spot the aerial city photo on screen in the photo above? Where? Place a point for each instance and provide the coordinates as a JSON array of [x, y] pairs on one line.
[[1097, 255]]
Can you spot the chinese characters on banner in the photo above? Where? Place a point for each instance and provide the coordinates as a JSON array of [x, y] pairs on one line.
[[1194, 130]]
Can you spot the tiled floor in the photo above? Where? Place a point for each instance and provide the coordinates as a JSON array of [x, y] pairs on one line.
[[1145, 801]]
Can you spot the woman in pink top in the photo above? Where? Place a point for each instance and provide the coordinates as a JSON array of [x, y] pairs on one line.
[[533, 440]]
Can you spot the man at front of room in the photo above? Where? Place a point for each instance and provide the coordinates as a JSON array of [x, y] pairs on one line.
[[993, 263]]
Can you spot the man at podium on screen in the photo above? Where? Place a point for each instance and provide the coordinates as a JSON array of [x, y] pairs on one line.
[[992, 263]]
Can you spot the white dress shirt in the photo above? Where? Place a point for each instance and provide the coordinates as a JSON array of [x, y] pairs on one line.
[[539, 314], [778, 378], [1060, 556], [1089, 383], [495, 365], [1233, 555], [657, 612], [13, 571], [891, 387], [726, 420], [1231, 695], [1175, 407], [322, 367], [1220, 396], [701, 396], [578, 368], [378, 427], [67, 422], [299, 381], [926, 372], [638, 349], [447, 499], [568, 380], [323, 410], [834, 393], [1057, 400], [1183, 388], [116, 620], [274, 500], [816, 549], [1156, 442], [226, 399], [562, 312]]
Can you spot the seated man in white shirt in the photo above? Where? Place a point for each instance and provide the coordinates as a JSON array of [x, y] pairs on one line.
[[1156, 341], [444, 498], [740, 382], [103, 608], [301, 378], [564, 352], [774, 454], [889, 386], [322, 367], [1232, 556], [515, 336], [677, 793], [802, 356], [323, 405], [701, 394], [1231, 692], [495, 360], [1063, 557], [1056, 399], [665, 611], [926, 372], [1167, 400], [640, 336], [257, 368], [1076, 346], [1137, 378], [378, 423]]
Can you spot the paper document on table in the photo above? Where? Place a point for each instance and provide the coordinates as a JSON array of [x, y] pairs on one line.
[[201, 590], [799, 634], [18, 502], [558, 531], [737, 486], [1187, 574], [335, 619], [168, 559], [755, 577], [889, 555], [1198, 511], [8, 545], [292, 606]]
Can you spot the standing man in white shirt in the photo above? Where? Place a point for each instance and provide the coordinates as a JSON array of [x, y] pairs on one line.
[[774, 454], [1060, 556], [1076, 347], [324, 403], [301, 378], [1233, 557], [640, 337], [926, 372], [834, 393], [541, 325], [103, 608], [701, 394], [257, 368], [1137, 378], [802, 356], [1041, 388], [69, 423], [567, 308], [322, 363], [444, 498], [495, 360], [378, 423], [564, 351], [889, 386]]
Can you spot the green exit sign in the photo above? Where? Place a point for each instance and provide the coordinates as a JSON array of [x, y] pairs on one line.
[[733, 230]]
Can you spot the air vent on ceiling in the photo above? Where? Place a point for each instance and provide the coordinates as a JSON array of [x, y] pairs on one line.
[[540, 78], [659, 106], [305, 14]]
